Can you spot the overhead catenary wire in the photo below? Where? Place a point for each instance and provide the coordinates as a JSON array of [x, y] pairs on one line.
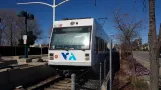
[[105, 19], [94, 2]]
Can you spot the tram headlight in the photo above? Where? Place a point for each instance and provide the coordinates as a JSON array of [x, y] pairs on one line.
[[51, 56], [86, 56]]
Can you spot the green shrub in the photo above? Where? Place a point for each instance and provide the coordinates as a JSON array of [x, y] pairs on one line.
[[140, 84]]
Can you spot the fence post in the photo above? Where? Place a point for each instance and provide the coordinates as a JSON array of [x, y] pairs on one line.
[[100, 74], [110, 65], [8, 73], [73, 77]]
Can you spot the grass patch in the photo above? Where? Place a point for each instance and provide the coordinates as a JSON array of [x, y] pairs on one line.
[[140, 84]]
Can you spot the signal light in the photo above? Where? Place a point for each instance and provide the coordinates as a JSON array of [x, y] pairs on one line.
[[60, 25], [56, 56]]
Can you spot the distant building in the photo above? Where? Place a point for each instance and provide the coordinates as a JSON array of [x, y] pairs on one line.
[[145, 46], [137, 44]]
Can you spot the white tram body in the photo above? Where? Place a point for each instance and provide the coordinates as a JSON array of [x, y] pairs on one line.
[[77, 43]]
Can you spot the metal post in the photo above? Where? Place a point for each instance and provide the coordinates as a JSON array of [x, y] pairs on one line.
[[104, 68], [53, 6], [73, 77], [26, 50], [110, 64], [100, 74], [41, 49], [54, 12]]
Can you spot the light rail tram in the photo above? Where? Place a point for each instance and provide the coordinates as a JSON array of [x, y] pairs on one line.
[[77, 45]]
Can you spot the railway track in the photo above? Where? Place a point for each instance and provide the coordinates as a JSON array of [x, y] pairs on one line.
[[53, 83], [61, 85]]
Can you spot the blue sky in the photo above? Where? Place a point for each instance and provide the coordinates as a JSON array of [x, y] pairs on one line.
[[86, 8]]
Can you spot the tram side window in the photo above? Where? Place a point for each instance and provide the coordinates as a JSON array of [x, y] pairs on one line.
[[100, 44], [96, 45], [105, 47]]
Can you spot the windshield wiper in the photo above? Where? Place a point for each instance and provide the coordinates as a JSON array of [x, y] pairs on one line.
[[83, 49], [66, 49]]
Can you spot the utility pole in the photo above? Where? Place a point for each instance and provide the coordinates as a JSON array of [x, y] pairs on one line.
[[95, 2], [111, 64], [53, 6]]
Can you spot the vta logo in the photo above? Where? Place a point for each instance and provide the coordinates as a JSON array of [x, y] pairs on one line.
[[71, 56]]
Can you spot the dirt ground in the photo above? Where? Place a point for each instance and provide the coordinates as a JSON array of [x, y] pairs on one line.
[[123, 78]]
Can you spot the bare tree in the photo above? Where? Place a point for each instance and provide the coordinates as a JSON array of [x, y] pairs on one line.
[[2, 28], [32, 26], [35, 27], [8, 23], [12, 27], [154, 42], [128, 28], [128, 31], [50, 30]]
